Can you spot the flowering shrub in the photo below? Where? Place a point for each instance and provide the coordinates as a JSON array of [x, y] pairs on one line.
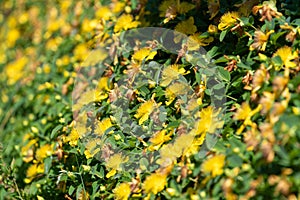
[[223, 124]]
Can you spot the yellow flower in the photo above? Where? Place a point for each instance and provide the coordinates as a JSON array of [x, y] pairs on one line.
[[80, 124], [260, 40], [213, 8], [86, 98], [94, 57], [171, 73], [86, 168], [52, 44], [170, 152], [186, 27], [245, 8], [227, 20], [83, 195], [122, 191], [267, 101], [166, 5], [91, 148], [170, 8], [171, 191], [259, 78], [196, 40], [212, 29], [268, 10], [14, 71], [3, 57], [209, 121], [111, 173], [174, 90], [54, 25], [185, 7], [27, 150], [245, 113], [81, 52], [291, 36], [114, 164], [101, 92], [158, 139], [46, 85], [143, 53], [40, 197], [65, 5], [32, 171], [72, 138], [195, 146], [144, 111], [88, 26], [286, 55], [214, 165], [115, 161], [183, 142], [43, 152], [154, 183], [181, 8], [125, 22], [117, 6], [88, 154], [12, 36], [104, 13], [103, 126]]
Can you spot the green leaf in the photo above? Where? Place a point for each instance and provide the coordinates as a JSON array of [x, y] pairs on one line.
[[225, 75], [218, 86], [242, 65], [95, 187], [3, 193], [219, 147], [210, 140], [33, 189], [244, 21], [270, 25], [196, 170], [173, 124], [144, 90], [208, 91], [99, 174], [55, 130], [237, 82], [48, 163], [204, 35], [234, 160], [133, 4], [221, 60], [78, 191], [71, 190], [213, 52], [222, 35], [144, 163], [277, 60], [198, 77], [296, 22], [162, 114], [274, 37]]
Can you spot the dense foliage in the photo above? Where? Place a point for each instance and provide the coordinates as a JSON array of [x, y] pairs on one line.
[[223, 124]]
